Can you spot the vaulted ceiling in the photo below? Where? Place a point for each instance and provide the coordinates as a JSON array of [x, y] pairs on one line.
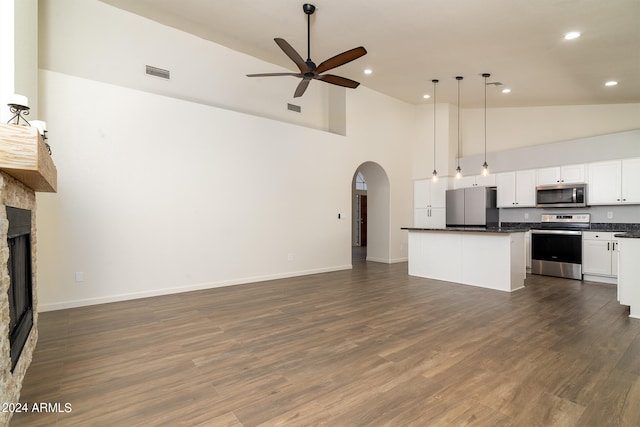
[[411, 42]]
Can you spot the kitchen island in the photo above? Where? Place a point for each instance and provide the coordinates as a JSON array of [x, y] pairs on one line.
[[629, 271], [491, 258]]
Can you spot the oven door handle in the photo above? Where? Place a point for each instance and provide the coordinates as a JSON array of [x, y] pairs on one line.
[[565, 232]]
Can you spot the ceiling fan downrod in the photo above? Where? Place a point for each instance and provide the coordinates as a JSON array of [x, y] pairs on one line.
[[308, 9]]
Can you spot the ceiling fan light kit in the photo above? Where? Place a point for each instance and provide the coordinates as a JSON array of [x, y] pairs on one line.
[[308, 69]]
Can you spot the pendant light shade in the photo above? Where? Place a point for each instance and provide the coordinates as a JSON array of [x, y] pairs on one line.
[[485, 166], [458, 169], [435, 173]]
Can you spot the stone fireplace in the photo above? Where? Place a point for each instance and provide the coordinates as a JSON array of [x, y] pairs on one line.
[[16, 358], [26, 167]]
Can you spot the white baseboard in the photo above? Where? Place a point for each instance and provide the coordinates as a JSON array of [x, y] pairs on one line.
[[189, 288], [600, 279], [387, 261]]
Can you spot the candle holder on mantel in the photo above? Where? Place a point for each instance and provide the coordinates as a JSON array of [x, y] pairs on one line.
[[19, 112]]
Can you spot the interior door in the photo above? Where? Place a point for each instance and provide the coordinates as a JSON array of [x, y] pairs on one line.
[[363, 220]]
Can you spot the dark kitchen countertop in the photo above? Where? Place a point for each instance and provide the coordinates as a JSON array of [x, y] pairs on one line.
[[601, 227], [629, 235], [499, 230]]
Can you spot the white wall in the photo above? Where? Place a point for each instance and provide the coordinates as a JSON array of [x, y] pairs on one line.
[[19, 54], [90, 39], [509, 128], [162, 194], [167, 195]]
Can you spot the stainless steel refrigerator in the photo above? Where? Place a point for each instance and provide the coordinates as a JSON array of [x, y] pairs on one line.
[[472, 207]]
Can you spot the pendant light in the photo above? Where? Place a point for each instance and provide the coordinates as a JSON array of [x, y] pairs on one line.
[[458, 169], [485, 166], [435, 173]]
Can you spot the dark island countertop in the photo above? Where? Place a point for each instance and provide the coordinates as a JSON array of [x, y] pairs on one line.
[[500, 230], [628, 235]]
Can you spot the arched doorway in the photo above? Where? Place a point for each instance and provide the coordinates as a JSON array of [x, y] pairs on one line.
[[370, 213]]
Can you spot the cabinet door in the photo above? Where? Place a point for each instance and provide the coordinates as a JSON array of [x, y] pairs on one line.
[[421, 218], [429, 218], [596, 257], [548, 176], [527, 249], [486, 181], [438, 193], [604, 183], [421, 190], [437, 218], [614, 258], [572, 174], [464, 182], [506, 188], [525, 188], [631, 181]]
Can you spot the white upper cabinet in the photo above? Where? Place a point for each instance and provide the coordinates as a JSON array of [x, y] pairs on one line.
[[631, 181], [604, 185], [516, 189], [430, 194], [475, 181], [571, 174], [486, 181], [614, 182], [429, 199], [421, 194]]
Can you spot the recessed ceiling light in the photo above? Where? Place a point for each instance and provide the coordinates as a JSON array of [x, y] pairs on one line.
[[611, 83], [572, 35], [368, 71], [506, 90], [426, 96]]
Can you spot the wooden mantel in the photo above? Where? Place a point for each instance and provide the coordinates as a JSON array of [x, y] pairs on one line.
[[24, 156]]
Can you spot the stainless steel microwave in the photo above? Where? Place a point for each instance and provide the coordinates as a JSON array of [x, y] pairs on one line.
[[561, 196]]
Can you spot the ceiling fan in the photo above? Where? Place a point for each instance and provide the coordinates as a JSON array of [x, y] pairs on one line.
[[308, 69]]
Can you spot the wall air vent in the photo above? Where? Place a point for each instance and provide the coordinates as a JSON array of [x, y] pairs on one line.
[[158, 72], [292, 107]]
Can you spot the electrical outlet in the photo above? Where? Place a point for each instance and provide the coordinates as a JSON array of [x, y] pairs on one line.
[[526, 215], [290, 257], [609, 214], [79, 276]]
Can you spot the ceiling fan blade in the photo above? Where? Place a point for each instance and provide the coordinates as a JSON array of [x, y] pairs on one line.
[[302, 86], [341, 59], [274, 74], [292, 54], [340, 81]]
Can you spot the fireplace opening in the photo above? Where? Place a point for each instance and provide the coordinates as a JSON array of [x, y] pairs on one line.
[[20, 280]]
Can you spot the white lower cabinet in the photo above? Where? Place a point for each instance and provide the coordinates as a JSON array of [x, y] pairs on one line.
[[628, 289], [599, 256], [527, 250], [429, 218]]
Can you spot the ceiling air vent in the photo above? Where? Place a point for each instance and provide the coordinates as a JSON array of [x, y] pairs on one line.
[[292, 107], [158, 72]]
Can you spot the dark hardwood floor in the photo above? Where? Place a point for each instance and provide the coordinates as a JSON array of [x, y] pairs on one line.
[[371, 346]]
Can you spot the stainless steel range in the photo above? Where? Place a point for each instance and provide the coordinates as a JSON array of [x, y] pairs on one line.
[[556, 247]]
